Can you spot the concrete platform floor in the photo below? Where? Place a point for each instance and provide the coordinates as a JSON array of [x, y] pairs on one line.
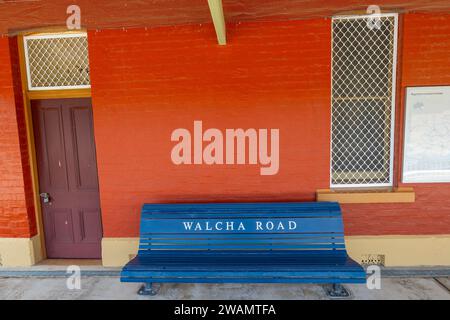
[[109, 287]]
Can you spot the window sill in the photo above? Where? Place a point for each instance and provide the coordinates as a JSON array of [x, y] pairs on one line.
[[397, 195]]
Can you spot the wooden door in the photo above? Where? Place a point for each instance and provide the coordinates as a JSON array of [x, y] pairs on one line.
[[68, 180]]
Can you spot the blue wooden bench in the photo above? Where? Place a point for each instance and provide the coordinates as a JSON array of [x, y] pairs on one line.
[[242, 243]]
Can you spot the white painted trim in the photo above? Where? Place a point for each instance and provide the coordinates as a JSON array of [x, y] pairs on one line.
[[360, 186], [394, 95]]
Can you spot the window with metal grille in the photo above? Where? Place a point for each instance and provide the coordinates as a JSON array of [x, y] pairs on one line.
[[363, 89], [57, 61]]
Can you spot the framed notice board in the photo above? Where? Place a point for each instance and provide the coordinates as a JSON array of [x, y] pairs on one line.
[[426, 156]]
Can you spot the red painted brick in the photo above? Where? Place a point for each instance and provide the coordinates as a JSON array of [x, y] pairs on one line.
[[146, 83], [425, 61], [270, 75], [149, 82], [16, 198]]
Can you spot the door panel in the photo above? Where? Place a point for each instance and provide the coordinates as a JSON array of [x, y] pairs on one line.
[[67, 167], [90, 230], [55, 156], [62, 225], [83, 144]]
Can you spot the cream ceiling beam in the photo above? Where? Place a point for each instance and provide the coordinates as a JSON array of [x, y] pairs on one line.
[[215, 6]]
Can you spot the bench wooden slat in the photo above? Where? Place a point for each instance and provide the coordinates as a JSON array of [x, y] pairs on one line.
[[251, 257], [246, 274], [318, 240], [237, 214], [218, 235], [250, 225], [250, 207], [218, 279], [244, 247]]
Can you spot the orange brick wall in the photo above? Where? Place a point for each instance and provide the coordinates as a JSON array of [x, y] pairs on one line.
[[145, 84], [16, 199], [275, 75], [424, 47]]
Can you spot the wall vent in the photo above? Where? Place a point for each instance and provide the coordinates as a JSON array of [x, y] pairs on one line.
[[373, 259]]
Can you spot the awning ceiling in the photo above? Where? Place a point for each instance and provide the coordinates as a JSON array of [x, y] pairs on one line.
[[18, 15]]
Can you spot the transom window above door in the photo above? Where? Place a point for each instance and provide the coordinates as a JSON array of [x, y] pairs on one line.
[[363, 99], [57, 61]]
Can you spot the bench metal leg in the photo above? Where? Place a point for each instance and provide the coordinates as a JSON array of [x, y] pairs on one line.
[[149, 289], [337, 290]]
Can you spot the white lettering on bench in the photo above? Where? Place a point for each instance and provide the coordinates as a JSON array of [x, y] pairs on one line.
[[239, 226], [188, 225], [292, 225], [234, 146]]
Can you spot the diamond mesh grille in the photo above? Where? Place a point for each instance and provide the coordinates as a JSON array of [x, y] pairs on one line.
[[57, 61], [362, 96]]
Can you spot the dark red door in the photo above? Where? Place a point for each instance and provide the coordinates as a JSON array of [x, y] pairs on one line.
[[68, 181]]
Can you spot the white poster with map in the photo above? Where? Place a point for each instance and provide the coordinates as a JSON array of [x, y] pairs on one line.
[[427, 135]]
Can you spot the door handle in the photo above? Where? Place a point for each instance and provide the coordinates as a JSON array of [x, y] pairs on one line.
[[45, 197]]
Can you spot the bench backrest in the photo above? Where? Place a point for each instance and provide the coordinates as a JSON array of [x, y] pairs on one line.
[[242, 226]]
